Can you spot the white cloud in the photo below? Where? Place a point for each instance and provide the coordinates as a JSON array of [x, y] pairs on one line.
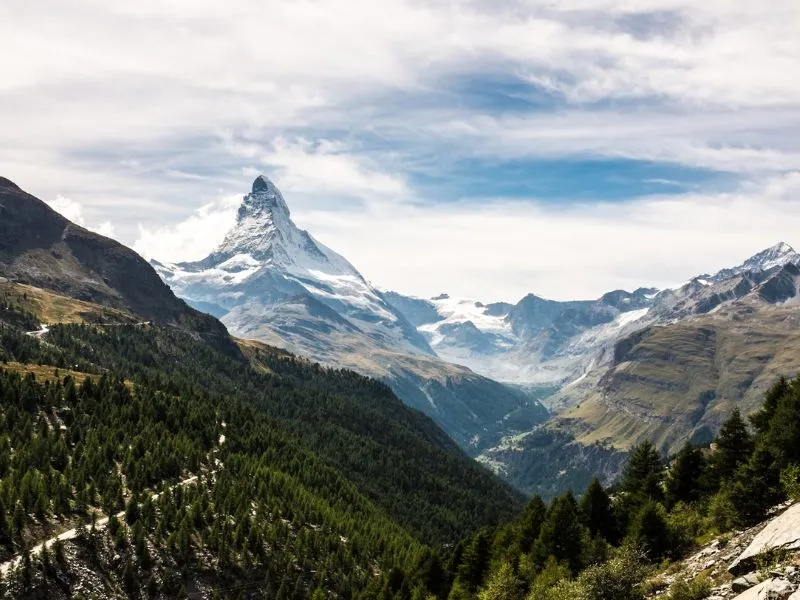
[[192, 238], [68, 208], [503, 249], [105, 228], [73, 211], [127, 117], [323, 167], [744, 142]]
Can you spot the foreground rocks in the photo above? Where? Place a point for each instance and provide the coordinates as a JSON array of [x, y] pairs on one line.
[[780, 534]]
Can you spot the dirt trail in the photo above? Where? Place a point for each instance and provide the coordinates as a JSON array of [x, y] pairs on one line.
[[101, 524]]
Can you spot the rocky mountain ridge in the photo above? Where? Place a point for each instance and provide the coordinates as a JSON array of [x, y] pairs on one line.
[[675, 375], [40, 247]]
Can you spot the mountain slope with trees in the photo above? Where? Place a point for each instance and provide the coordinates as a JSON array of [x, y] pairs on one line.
[[316, 462]]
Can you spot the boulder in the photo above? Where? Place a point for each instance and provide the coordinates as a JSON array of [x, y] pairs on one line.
[[771, 589], [780, 533]]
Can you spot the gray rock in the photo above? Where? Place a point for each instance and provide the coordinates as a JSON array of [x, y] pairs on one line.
[[771, 589], [782, 532], [745, 582]]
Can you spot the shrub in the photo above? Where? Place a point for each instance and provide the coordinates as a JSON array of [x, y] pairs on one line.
[[697, 589], [790, 480], [553, 574], [564, 590], [722, 511], [686, 524], [618, 579]]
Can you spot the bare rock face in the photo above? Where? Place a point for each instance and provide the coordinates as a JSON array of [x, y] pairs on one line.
[[40, 247], [771, 589], [781, 533]]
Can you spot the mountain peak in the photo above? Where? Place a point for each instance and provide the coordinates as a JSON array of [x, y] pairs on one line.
[[779, 254], [262, 183], [7, 183], [781, 248], [775, 256], [264, 198]]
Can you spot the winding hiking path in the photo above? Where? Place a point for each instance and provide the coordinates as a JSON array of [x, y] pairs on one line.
[[101, 524]]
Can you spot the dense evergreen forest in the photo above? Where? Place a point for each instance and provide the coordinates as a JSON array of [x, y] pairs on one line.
[[277, 478], [274, 476], [604, 545]]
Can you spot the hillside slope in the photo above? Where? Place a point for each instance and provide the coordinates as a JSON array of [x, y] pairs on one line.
[[40, 247], [714, 344], [333, 481]]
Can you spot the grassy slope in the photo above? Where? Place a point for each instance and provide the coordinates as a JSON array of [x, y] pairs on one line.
[[682, 380], [50, 307]]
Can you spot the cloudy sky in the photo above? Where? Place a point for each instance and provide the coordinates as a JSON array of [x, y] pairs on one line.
[[487, 148]]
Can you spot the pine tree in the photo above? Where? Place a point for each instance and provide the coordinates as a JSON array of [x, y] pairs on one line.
[[782, 436], [683, 483], [756, 487], [530, 523], [132, 511], [501, 585], [595, 511], [19, 518], [5, 529], [430, 572], [318, 594], [562, 536], [733, 447], [650, 532], [475, 560], [775, 393], [643, 473]]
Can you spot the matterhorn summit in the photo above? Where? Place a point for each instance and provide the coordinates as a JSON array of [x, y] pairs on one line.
[[262, 216], [265, 259]]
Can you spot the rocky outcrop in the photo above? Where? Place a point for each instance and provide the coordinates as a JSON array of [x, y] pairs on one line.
[[776, 588], [749, 554], [781, 533]]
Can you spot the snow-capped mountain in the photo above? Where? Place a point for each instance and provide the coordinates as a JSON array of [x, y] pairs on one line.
[[271, 281], [706, 293], [536, 341], [265, 258], [668, 373], [557, 343], [774, 256]]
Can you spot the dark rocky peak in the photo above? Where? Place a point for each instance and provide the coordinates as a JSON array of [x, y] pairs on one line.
[[40, 247], [264, 199], [7, 183], [624, 301], [782, 286]]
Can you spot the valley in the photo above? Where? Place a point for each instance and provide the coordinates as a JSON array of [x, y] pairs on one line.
[[534, 390]]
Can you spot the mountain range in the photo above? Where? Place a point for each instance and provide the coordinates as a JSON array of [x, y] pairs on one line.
[[610, 370], [667, 365]]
